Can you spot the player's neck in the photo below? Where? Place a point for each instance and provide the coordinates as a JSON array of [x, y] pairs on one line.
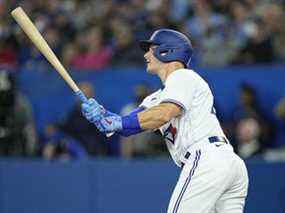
[[169, 68]]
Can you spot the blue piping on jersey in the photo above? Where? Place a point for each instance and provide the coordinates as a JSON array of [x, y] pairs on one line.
[[175, 102]]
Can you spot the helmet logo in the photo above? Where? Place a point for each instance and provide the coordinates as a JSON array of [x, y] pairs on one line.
[[163, 53]]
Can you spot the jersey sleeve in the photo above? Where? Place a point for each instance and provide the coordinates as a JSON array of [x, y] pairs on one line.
[[151, 100], [179, 89]]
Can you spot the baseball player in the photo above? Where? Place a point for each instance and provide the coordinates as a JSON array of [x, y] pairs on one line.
[[213, 178]]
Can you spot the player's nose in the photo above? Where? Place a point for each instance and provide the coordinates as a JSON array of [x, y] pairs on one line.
[[146, 55]]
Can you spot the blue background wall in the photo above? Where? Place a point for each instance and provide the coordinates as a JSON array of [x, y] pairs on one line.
[[105, 186]]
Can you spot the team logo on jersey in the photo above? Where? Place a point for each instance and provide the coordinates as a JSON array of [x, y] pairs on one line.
[[108, 121], [170, 133]]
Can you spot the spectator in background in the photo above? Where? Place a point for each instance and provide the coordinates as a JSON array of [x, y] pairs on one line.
[[274, 20], [252, 130], [17, 128], [248, 137], [75, 128], [8, 53], [279, 112], [59, 146], [239, 12], [280, 109], [125, 51], [93, 52], [146, 143], [52, 36], [138, 21], [179, 10], [258, 47], [68, 53], [65, 27], [222, 7], [159, 16]]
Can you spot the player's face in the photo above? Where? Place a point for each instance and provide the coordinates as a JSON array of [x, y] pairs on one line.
[[153, 64]]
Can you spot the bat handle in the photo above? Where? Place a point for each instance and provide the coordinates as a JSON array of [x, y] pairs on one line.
[[81, 96]]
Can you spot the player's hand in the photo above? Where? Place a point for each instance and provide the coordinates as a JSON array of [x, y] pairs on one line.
[[104, 120], [110, 122], [89, 108], [92, 111]]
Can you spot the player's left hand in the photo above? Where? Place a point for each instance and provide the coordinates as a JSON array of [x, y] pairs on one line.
[[91, 110]]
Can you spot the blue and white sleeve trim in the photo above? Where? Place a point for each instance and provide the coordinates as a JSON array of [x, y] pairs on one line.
[[174, 102]]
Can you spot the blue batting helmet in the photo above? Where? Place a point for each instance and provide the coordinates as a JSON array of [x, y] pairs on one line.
[[172, 46]]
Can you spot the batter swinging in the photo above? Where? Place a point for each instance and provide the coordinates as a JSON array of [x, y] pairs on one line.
[[213, 178]]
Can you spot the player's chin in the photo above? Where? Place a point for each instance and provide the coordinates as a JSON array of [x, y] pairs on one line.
[[150, 69]]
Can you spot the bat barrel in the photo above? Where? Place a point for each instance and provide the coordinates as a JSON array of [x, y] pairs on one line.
[[32, 32]]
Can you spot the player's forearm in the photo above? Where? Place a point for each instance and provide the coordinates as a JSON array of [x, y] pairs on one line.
[[152, 118], [155, 117]]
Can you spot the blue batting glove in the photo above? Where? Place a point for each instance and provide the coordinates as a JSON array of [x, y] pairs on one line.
[[110, 122], [81, 96], [86, 106], [92, 111], [104, 120]]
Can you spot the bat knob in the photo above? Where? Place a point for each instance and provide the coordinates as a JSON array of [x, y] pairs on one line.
[[81, 96], [110, 134]]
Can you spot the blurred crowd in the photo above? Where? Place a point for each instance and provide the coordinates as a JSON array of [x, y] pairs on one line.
[[94, 34]]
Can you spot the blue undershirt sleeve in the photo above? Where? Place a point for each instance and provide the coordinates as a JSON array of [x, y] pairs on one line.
[[131, 124]]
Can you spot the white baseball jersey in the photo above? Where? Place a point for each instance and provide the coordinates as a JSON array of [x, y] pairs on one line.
[[191, 92]]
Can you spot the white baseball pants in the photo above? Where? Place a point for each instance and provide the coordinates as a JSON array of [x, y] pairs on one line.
[[213, 180]]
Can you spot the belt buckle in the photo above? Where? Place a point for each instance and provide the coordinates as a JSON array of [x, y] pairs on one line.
[[218, 139], [215, 139]]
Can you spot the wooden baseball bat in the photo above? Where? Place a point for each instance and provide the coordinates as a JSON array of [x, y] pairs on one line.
[[32, 32]]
